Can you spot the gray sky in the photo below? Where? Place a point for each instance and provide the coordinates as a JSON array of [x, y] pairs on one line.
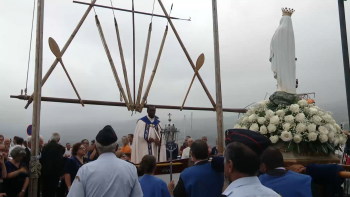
[[245, 27]]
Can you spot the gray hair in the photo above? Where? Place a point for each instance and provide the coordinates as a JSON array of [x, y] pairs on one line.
[[125, 141], [55, 137], [106, 149], [17, 150]]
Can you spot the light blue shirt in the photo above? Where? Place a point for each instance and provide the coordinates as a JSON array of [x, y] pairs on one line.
[[107, 176], [248, 186]]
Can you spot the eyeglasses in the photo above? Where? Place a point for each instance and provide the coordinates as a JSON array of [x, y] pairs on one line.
[[82, 148]]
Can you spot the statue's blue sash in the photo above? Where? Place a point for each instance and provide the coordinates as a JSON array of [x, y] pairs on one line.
[[146, 132]]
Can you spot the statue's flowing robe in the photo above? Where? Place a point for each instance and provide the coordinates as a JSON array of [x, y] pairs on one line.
[[146, 128], [282, 56]]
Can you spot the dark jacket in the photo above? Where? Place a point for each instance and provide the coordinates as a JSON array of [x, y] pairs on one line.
[[26, 158], [52, 159]]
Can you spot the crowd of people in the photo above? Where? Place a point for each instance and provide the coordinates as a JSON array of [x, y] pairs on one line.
[[101, 168]]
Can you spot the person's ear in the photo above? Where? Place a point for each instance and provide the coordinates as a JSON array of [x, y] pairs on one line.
[[230, 166]]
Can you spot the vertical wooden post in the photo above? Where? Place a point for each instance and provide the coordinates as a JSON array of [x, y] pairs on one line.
[[345, 49], [33, 184], [219, 115], [133, 49], [65, 47]]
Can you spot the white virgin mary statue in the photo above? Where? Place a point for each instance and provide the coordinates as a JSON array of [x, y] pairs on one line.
[[282, 54]]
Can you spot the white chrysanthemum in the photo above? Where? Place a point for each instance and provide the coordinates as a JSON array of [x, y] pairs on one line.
[[323, 138], [336, 141], [323, 130], [261, 120], [286, 126], [253, 117], [320, 113], [237, 126], [316, 119], [274, 120], [244, 127], [306, 110], [245, 120], [286, 136], [336, 126], [289, 119], [297, 138], [328, 118], [331, 136], [300, 117], [294, 108], [329, 127], [280, 113], [342, 140], [269, 114], [301, 127], [311, 127], [312, 110], [302, 103], [254, 127], [262, 104], [263, 130], [250, 112], [272, 128], [274, 139], [312, 136]]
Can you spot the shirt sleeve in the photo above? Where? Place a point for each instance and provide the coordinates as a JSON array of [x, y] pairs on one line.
[[165, 191], [77, 188], [136, 190], [68, 167]]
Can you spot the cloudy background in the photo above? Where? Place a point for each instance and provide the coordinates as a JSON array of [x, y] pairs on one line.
[[245, 27]]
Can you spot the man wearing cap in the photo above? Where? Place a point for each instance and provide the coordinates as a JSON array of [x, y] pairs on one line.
[[242, 163], [147, 138], [108, 175]]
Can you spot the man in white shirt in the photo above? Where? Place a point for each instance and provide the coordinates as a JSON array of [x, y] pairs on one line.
[[68, 151], [108, 175], [241, 168], [186, 151]]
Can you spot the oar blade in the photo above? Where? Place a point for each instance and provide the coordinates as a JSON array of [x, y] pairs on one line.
[[54, 48], [200, 62]]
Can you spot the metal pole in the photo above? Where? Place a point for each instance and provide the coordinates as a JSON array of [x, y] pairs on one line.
[[33, 183], [219, 114], [344, 42]]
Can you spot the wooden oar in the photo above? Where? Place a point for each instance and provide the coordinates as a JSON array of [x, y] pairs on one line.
[[199, 64], [57, 52]]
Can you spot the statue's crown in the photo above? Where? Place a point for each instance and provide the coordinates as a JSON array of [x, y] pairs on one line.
[[287, 11]]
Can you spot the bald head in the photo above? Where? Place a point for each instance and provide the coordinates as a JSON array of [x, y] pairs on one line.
[[272, 158]]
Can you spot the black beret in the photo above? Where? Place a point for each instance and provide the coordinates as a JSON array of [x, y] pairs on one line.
[[106, 136], [256, 141]]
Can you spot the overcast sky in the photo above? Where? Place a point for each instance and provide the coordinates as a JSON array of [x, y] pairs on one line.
[[245, 29]]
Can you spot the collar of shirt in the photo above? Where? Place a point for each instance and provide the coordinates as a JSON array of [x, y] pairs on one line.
[[280, 168], [200, 161], [106, 156], [253, 180]]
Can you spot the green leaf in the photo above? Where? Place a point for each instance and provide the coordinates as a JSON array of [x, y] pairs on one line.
[[319, 148], [313, 148], [324, 148], [290, 146], [330, 146], [297, 148]]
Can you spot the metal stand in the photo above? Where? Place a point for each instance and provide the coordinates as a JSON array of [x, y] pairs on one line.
[[171, 144]]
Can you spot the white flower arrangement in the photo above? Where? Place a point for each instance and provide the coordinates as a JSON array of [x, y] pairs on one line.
[[297, 123]]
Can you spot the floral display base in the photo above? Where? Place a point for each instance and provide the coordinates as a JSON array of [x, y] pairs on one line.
[[282, 98], [292, 157]]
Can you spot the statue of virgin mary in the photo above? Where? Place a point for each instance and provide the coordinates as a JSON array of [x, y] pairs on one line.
[[282, 54]]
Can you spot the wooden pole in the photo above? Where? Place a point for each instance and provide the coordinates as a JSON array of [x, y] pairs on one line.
[[144, 99], [219, 114], [114, 70], [138, 102], [123, 65], [187, 55], [133, 49], [33, 182], [48, 73], [345, 50], [120, 104], [125, 10]]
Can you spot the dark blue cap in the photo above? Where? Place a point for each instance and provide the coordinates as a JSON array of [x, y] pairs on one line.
[[106, 136]]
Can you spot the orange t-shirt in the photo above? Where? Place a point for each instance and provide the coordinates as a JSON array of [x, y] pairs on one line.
[[126, 149]]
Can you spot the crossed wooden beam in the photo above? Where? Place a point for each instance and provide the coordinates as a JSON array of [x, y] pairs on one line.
[[128, 100]]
